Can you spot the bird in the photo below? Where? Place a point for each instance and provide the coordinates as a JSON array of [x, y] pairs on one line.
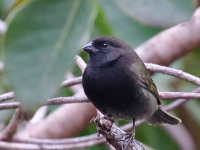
[[119, 85]]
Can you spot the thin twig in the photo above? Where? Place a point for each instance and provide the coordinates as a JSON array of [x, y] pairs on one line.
[[173, 72], [39, 115], [11, 128], [176, 95], [28, 146], [6, 96], [11, 105], [80, 62], [63, 100], [71, 82], [197, 3], [83, 99]]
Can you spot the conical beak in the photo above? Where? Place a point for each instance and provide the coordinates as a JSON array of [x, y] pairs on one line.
[[90, 48]]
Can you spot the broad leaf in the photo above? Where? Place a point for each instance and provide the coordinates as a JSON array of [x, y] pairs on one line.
[[41, 42]]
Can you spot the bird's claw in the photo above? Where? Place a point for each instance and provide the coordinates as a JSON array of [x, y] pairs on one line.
[[128, 138]]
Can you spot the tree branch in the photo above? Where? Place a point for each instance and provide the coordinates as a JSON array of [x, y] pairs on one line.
[[11, 128], [173, 43]]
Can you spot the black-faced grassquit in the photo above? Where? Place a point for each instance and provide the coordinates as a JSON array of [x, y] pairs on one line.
[[117, 82]]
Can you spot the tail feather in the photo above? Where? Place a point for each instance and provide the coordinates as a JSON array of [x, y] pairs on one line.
[[160, 116]]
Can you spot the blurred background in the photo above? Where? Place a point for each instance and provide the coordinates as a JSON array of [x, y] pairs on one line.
[[39, 40]]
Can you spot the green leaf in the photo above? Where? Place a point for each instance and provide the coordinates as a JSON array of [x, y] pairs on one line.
[[157, 13], [124, 27], [41, 42], [155, 137]]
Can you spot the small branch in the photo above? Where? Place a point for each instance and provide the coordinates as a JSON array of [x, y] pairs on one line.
[[175, 95], [179, 102], [197, 3], [180, 135], [11, 105], [71, 82], [6, 96], [10, 130], [82, 139], [83, 99], [80, 62], [171, 44], [63, 100], [163, 95], [39, 115], [115, 136], [173, 72], [25, 146]]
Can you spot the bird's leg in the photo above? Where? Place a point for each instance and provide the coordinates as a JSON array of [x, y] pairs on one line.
[[133, 129], [130, 135]]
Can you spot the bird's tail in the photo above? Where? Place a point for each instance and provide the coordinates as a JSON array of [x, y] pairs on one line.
[[160, 116]]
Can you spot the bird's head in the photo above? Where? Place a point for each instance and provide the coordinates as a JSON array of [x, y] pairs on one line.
[[104, 50]]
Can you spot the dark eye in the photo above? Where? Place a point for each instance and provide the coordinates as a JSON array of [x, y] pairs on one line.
[[104, 45]]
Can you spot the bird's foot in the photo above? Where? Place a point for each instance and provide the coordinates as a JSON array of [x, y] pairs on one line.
[[104, 124], [108, 117], [128, 138]]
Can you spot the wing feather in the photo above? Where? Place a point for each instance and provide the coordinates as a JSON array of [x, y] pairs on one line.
[[145, 79]]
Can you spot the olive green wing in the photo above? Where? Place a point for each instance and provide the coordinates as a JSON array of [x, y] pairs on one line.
[[145, 80], [149, 84]]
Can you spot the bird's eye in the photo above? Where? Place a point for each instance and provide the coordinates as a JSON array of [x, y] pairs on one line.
[[104, 45]]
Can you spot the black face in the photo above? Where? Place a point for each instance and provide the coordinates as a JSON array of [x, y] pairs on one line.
[[105, 44], [109, 43], [104, 49]]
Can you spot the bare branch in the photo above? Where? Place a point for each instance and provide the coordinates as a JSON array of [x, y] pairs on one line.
[[83, 99], [72, 99], [80, 62], [6, 96], [115, 136], [180, 134], [173, 72], [11, 105], [197, 3], [39, 115], [25, 146], [82, 139], [173, 43], [10, 130], [175, 95], [71, 82]]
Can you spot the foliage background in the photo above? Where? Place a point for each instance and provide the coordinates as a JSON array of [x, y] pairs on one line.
[[43, 37]]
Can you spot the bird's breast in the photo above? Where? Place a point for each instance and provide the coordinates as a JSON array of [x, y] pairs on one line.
[[111, 90]]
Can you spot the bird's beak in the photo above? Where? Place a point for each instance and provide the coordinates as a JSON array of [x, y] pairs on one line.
[[90, 48]]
